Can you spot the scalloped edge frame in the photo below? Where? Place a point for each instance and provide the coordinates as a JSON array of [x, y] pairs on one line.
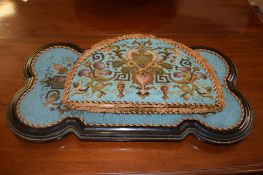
[[129, 133]]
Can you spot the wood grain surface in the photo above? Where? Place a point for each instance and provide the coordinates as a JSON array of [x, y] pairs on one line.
[[229, 26]]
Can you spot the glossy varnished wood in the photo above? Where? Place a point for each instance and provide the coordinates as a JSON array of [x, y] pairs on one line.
[[229, 26]]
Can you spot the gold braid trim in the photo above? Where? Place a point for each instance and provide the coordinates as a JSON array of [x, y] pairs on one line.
[[145, 107], [31, 82]]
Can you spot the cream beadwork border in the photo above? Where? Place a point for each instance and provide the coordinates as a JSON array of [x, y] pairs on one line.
[[30, 83], [145, 107]]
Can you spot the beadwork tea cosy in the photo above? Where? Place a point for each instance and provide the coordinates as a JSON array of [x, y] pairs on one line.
[[132, 87]]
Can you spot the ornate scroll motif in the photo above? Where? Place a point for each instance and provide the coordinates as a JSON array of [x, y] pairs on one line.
[[143, 74]]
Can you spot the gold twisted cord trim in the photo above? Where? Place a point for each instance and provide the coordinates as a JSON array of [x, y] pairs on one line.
[[31, 83], [145, 107]]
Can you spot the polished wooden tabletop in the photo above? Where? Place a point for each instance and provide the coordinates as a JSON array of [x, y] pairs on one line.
[[229, 26]]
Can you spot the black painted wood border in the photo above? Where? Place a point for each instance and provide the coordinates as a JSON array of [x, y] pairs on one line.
[[83, 132]]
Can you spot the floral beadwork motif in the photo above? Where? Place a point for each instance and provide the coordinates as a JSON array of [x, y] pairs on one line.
[[145, 72], [53, 84]]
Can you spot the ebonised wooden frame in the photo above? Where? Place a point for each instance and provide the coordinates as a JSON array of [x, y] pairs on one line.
[[83, 132]]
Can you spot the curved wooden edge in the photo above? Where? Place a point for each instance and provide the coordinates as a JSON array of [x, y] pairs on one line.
[[83, 132]]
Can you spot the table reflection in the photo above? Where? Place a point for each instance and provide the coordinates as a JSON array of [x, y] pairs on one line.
[[7, 8]]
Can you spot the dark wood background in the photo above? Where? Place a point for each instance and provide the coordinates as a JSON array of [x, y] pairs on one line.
[[229, 26]]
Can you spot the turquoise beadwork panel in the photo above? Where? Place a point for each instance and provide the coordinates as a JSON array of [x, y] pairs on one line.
[[141, 70], [42, 105]]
